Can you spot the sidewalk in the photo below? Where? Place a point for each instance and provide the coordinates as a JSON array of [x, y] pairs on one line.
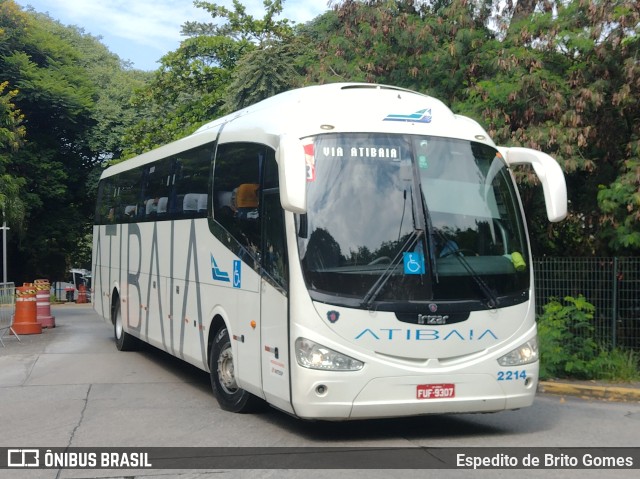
[[624, 392]]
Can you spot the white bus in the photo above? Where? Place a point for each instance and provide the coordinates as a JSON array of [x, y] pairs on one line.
[[341, 251]]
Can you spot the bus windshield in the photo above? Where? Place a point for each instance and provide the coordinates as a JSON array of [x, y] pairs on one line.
[[396, 221]]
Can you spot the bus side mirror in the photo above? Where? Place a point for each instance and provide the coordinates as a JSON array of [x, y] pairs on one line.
[[550, 174], [292, 173]]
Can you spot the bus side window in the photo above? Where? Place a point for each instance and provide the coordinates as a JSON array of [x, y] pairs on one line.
[[105, 210], [236, 191], [129, 200], [156, 189], [274, 257], [192, 181]]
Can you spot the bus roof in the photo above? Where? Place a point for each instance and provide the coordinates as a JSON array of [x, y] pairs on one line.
[[321, 109]]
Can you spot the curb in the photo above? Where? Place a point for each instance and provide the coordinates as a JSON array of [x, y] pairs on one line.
[[609, 393], [71, 303]]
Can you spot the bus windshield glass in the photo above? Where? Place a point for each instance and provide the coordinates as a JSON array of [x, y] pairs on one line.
[[397, 221]]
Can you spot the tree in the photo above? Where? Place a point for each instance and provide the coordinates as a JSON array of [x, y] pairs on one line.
[[185, 91], [56, 98], [566, 82], [619, 200], [261, 74], [63, 84], [425, 46], [11, 138], [115, 82], [219, 68]]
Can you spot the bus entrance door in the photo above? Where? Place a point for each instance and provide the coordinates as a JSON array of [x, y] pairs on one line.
[[275, 350], [274, 306]]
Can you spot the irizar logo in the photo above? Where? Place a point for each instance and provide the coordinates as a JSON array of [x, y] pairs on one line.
[[391, 334], [432, 319]]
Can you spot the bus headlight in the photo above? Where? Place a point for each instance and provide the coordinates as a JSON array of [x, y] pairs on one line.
[[312, 355], [524, 354]]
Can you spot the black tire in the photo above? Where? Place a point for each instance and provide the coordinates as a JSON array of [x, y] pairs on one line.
[[124, 341], [223, 382]]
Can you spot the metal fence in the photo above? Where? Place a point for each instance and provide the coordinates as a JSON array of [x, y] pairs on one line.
[[7, 307], [612, 285]]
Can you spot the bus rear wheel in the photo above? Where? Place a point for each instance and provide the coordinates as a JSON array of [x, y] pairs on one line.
[[124, 341], [223, 381]]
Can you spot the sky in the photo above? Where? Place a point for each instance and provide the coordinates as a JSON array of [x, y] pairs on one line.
[[142, 31]]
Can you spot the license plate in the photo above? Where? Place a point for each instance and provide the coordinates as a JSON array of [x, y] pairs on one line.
[[436, 391]]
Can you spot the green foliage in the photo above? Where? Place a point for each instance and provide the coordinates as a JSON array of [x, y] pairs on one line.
[[11, 139], [565, 334], [566, 82], [261, 74], [221, 67], [392, 42], [11, 129], [185, 91], [620, 203], [618, 365], [12, 208], [71, 97], [567, 347], [240, 26]]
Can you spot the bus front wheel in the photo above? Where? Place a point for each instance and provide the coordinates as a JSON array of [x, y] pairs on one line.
[[223, 381]]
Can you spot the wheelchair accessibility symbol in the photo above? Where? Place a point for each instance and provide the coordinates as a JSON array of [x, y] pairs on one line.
[[237, 270], [413, 263]]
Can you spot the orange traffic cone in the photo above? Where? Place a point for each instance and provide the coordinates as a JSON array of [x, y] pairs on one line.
[[82, 294], [24, 319], [43, 303]]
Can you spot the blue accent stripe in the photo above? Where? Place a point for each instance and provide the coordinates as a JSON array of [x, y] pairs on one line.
[[217, 274]]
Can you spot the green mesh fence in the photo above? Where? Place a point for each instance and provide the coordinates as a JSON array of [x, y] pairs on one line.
[[612, 285]]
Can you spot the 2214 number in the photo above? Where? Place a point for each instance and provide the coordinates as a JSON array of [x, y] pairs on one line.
[[511, 375]]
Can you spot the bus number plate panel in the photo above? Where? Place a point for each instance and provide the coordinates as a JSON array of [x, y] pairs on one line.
[[436, 391]]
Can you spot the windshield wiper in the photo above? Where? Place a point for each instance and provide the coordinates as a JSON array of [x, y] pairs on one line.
[[409, 243], [489, 294], [374, 291], [430, 244]]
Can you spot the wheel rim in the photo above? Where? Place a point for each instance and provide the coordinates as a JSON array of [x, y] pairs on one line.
[[118, 325], [226, 375]]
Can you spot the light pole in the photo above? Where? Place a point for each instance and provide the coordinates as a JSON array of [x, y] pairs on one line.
[[4, 229]]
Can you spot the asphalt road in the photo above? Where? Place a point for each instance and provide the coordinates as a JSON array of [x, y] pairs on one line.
[[70, 387]]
